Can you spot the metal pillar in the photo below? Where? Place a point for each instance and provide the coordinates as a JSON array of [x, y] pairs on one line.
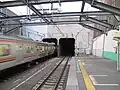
[[82, 8], [118, 59], [103, 45], [118, 55], [96, 49]]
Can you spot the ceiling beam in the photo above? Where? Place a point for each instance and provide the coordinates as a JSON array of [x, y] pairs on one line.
[[96, 4], [5, 15], [37, 2], [42, 23], [103, 6], [63, 14], [38, 13], [91, 27], [83, 5], [102, 23], [11, 30], [35, 10]]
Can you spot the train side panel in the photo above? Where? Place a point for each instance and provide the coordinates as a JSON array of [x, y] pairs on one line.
[[29, 52], [7, 55], [15, 53]]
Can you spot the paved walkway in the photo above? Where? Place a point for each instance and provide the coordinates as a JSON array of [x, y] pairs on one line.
[[93, 73], [72, 83]]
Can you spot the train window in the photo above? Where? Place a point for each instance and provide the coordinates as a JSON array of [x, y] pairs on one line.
[[32, 47], [19, 47], [40, 48], [29, 48], [36, 47], [4, 50]]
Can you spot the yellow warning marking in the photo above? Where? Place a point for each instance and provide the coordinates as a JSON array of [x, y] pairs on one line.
[[87, 80]]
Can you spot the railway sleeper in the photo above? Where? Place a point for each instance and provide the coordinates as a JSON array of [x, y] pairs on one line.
[[48, 83], [59, 87]]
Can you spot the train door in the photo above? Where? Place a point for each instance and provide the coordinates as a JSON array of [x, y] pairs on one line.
[[20, 52]]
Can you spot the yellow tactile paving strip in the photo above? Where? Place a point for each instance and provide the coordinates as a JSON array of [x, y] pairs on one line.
[[88, 83]]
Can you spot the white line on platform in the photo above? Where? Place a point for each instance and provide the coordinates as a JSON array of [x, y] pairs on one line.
[[30, 77], [96, 60], [96, 83], [107, 84], [86, 64], [100, 75], [93, 79]]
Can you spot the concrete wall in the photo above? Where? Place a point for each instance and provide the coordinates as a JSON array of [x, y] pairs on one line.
[[110, 45], [83, 37], [98, 46]]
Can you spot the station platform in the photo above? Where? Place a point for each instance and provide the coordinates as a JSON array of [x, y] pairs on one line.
[[92, 73]]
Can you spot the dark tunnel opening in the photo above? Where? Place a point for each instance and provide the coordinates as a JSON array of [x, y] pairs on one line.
[[67, 46]]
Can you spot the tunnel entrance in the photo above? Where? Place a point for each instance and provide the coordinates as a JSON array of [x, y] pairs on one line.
[[67, 46]]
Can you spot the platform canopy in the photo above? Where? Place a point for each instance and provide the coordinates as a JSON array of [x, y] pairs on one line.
[[57, 12]]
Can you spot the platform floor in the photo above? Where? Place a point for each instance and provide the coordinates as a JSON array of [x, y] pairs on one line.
[[93, 73]]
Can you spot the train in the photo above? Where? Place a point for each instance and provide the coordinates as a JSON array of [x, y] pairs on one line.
[[19, 50]]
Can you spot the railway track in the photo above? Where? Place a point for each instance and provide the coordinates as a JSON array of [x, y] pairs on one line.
[[55, 79]]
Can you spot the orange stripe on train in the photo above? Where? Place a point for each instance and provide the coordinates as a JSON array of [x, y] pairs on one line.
[[7, 59], [29, 55], [16, 41]]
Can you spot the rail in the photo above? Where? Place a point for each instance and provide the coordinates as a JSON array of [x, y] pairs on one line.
[[52, 79]]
